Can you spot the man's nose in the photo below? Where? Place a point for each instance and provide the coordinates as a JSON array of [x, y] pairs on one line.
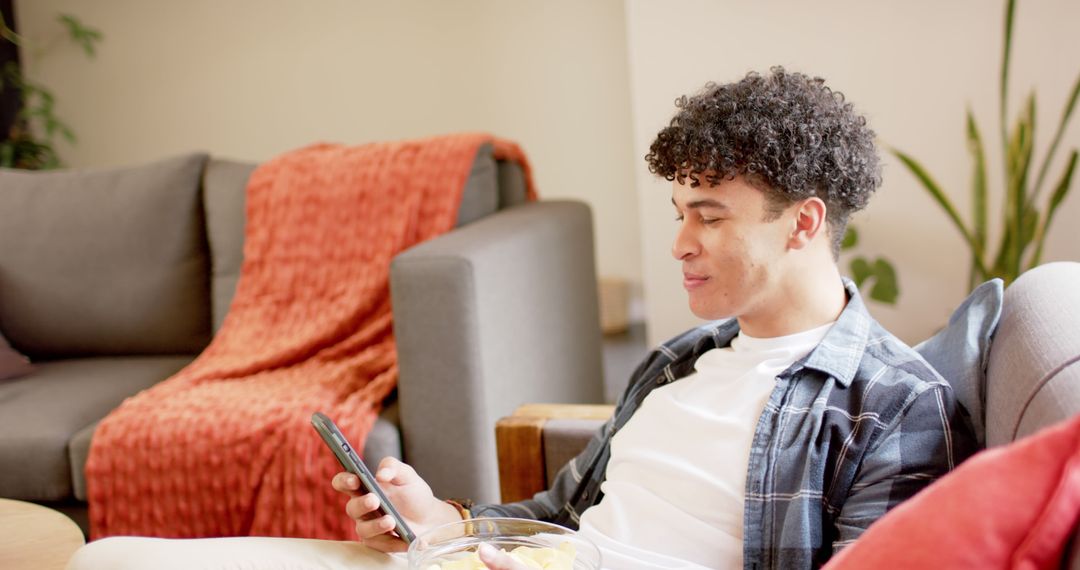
[[685, 244]]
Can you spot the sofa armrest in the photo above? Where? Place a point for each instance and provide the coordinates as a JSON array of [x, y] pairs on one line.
[[489, 316], [538, 439]]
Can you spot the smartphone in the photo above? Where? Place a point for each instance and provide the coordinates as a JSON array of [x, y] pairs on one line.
[[348, 458]]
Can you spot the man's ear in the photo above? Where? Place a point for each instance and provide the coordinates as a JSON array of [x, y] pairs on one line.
[[809, 221]]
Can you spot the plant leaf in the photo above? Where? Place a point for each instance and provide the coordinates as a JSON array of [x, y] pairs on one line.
[[978, 188], [67, 133], [7, 33], [1006, 54], [1027, 227], [1007, 265], [7, 154], [80, 33], [860, 270], [1060, 191], [939, 195], [851, 238], [886, 288], [1024, 222], [1070, 104]]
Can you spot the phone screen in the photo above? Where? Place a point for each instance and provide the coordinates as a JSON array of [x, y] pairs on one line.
[[349, 460]]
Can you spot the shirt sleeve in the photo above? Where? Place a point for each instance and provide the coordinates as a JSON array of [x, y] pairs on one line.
[[927, 440]]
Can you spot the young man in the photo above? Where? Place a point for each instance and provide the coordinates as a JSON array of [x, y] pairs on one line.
[[776, 436]]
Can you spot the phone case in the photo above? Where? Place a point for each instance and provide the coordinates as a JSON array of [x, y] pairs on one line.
[[349, 460]]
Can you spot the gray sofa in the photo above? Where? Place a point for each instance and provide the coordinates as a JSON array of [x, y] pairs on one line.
[[112, 280]]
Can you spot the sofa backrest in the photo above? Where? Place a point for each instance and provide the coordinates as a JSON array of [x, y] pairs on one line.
[[224, 185], [161, 269], [490, 187], [104, 261], [1033, 377]]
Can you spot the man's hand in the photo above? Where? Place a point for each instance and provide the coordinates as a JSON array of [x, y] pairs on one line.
[[496, 559], [410, 495]]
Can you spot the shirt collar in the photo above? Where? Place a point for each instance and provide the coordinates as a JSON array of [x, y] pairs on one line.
[[842, 349], [839, 352]]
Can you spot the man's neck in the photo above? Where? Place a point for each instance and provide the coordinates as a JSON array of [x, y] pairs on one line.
[[805, 301]]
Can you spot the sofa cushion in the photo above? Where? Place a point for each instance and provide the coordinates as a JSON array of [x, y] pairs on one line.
[[225, 185], [104, 261], [1007, 507], [480, 197], [960, 352], [12, 364], [41, 412], [512, 187]]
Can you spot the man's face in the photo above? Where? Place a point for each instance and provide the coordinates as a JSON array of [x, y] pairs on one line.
[[732, 260]]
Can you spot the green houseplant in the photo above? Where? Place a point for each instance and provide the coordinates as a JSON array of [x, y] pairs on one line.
[[877, 274], [29, 142], [1027, 213]]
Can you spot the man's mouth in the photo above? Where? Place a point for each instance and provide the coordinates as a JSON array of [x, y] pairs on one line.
[[693, 280]]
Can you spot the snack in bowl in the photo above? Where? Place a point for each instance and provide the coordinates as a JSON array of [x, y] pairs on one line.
[[534, 544], [540, 557]]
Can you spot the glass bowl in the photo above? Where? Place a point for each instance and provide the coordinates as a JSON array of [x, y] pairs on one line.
[[452, 545]]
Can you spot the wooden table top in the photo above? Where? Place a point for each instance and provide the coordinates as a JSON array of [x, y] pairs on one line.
[[33, 536]]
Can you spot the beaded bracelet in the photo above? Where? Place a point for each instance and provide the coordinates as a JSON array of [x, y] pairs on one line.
[[461, 507]]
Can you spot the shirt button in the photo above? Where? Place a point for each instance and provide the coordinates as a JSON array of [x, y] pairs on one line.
[[585, 496]]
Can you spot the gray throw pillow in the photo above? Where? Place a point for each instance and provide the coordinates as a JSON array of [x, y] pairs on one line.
[[97, 262], [961, 351], [12, 364]]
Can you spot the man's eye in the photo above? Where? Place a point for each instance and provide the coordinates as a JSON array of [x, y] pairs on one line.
[[709, 221], [679, 218]]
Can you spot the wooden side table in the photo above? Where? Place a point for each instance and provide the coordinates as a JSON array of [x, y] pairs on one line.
[[33, 536]]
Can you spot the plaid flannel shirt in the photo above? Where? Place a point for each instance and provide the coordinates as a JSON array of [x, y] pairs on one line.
[[850, 431]]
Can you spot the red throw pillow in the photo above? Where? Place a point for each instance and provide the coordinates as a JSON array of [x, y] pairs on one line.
[[1013, 506]]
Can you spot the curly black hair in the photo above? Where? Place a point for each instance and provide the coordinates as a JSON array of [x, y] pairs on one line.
[[786, 133]]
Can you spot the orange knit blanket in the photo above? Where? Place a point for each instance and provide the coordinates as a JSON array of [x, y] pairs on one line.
[[225, 447]]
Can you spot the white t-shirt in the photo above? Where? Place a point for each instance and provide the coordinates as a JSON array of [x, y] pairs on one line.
[[676, 480]]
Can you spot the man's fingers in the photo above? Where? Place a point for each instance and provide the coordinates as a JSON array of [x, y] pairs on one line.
[[345, 482], [496, 559], [362, 506], [391, 470], [368, 530]]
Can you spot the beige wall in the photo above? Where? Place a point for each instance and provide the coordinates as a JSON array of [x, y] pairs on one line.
[[584, 85], [911, 67], [249, 79]]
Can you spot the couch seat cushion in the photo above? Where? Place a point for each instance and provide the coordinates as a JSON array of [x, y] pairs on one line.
[[40, 413], [102, 262]]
